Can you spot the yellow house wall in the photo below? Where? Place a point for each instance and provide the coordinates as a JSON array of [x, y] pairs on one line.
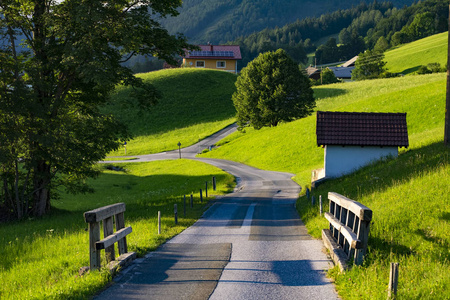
[[230, 65]]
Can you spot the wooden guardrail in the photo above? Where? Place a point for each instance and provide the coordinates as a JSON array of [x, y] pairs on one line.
[[349, 230], [108, 215]]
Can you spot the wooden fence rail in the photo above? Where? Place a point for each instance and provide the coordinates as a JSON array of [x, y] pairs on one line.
[[108, 215], [349, 230]]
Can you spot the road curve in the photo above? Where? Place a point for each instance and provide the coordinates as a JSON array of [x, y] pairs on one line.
[[251, 244]]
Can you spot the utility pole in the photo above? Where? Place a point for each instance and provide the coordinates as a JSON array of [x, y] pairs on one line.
[[447, 102]]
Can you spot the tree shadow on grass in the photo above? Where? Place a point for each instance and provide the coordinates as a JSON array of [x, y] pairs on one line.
[[410, 70], [322, 93]]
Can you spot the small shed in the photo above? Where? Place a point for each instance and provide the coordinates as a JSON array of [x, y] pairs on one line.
[[355, 139]]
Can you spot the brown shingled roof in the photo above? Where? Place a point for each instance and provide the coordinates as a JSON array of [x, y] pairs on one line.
[[361, 129]]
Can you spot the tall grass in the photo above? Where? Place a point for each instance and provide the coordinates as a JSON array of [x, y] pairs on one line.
[[40, 258], [410, 199], [195, 103]]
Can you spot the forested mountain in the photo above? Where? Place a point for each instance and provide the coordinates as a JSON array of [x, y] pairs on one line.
[[365, 26], [219, 21]]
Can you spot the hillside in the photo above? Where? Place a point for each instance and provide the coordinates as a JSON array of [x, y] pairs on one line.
[[219, 21], [420, 177], [195, 103], [292, 147], [407, 59]]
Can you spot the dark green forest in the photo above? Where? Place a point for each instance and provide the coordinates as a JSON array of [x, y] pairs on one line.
[[377, 25], [331, 37], [220, 21]]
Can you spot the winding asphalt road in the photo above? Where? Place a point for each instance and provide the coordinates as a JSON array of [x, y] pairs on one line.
[[251, 244]]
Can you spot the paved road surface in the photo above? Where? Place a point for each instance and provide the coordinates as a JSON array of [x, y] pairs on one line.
[[250, 244]]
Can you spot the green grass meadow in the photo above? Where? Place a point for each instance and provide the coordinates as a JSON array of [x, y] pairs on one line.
[[195, 104], [40, 259], [291, 147], [409, 196], [408, 58]]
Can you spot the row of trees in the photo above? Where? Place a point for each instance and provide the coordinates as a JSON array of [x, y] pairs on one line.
[[380, 28], [378, 25], [52, 130]]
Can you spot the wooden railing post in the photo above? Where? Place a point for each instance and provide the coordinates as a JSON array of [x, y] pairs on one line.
[[108, 229], [122, 243], [94, 237], [348, 231], [107, 215]]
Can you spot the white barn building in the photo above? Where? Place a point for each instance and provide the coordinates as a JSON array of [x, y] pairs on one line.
[[352, 140]]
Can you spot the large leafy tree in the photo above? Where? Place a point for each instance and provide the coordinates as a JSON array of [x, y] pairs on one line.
[[272, 89], [369, 65], [60, 61]]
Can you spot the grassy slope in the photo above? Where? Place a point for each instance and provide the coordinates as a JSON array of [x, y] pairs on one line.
[[410, 196], [407, 58], [292, 146], [56, 246], [195, 104]]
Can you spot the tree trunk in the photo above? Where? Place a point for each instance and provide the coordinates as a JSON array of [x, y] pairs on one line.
[[41, 195]]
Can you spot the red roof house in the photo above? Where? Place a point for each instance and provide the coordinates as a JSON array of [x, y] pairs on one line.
[[220, 57]]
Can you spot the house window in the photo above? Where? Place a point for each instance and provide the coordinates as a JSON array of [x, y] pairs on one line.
[[200, 63], [221, 64]]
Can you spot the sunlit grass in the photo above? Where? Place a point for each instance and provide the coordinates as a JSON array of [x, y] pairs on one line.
[[410, 200], [195, 104], [408, 58], [292, 147], [40, 258]]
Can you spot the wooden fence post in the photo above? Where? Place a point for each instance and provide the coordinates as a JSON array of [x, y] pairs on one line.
[[320, 204], [122, 243], [175, 211], [192, 201], [94, 237], [214, 183], [184, 206], [159, 222], [108, 229], [201, 196], [206, 189], [393, 281]]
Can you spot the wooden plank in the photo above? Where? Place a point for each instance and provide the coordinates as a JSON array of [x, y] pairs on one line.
[[111, 239], [108, 229], [360, 210], [336, 253], [346, 231], [363, 236], [121, 243], [94, 237], [102, 213]]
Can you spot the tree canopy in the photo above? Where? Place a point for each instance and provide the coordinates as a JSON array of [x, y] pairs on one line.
[[369, 65], [272, 89], [52, 129]]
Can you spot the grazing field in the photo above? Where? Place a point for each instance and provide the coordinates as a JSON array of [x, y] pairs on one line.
[[195, 104], [408, 58], [40, 258]]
